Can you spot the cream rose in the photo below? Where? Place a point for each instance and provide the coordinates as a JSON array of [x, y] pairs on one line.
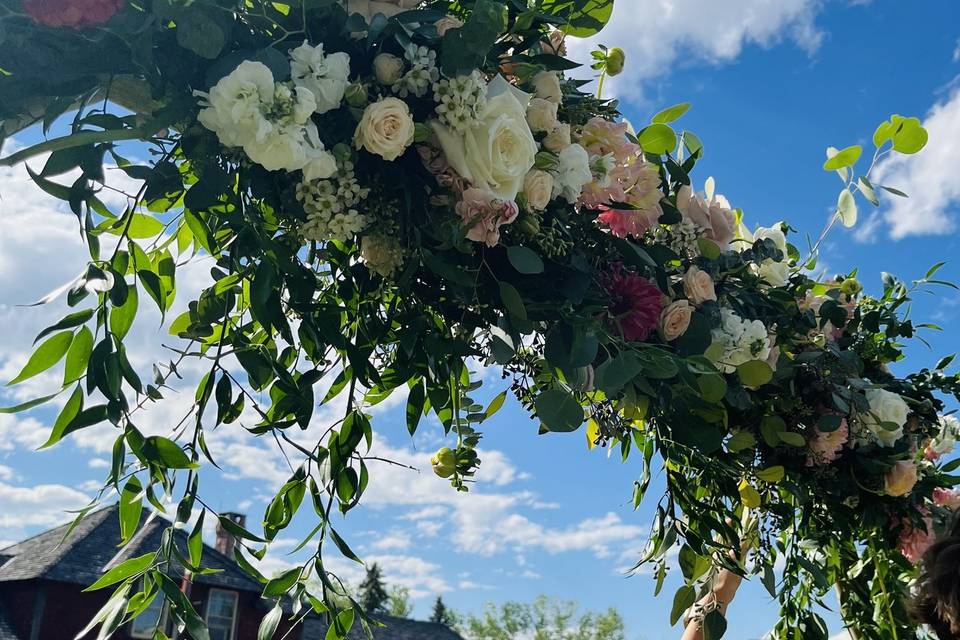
[[901, 479], [388, 68], [558, 139], [542, 115], [675, 319], [497, 154], [547, 86], [446, 23], [887, 409], [386, 129], [698, 286], [538, 189]]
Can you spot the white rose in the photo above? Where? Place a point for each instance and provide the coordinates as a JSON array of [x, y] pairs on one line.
[[497, 154], [573, 173], [388, 68], [386, 129], [547, 86], [234, 105], [542, 115], [698, 286], [538, 189], [325, 75], [887, 408], [558, 139], [370, 8], [282, 148], [446, 23], [675, 319]]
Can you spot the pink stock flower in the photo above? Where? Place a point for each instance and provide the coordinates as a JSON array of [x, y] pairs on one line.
[[913, 542], [484, 213], [635, 303], [947, 498], [825, 446], [72, 13]]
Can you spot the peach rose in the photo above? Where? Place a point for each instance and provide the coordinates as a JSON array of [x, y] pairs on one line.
[[698, 286], [675, 319], [901, 479]]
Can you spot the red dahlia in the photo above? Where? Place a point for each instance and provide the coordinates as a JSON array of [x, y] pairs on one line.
[[634, 306], [72, 13]]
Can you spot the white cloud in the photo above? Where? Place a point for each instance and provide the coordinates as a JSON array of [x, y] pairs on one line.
[[393, 541], [956, 52], [7, 473], [929, 178], [659, 34], [421, 576], [42, 505]]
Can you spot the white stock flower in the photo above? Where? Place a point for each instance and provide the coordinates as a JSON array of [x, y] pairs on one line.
[[386, 129], [737, 341], [573, 173], [370, 8], [886, 408], [325, 75], [496, 154]]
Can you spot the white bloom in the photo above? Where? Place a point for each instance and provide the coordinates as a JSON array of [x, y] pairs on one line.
[[542, 115], [386, 129], [774, 272], [325, 75], [558, 139], [370, 8], [737, 341], [382, 254], [547, 86], [886, 408], [538, 189], [573, 173], [234, 105], [388, 68], [496, 154], [946, 441]]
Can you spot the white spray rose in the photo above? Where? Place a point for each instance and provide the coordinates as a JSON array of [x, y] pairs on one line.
[[538, 189], [325, 75], [495, 155], [542, 115], [388, 68], [573, 173], [386, 129], [547, 86], [558, 139], [886, 408]]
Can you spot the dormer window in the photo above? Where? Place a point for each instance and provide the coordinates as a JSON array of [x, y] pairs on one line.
[[221, 614]]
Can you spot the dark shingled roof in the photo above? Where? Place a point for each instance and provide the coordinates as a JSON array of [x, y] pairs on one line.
[[91, 550]]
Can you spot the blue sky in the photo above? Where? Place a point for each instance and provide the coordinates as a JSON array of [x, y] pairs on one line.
[[772, 85]]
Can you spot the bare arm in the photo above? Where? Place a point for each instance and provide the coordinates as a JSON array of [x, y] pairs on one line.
[[723, 591]]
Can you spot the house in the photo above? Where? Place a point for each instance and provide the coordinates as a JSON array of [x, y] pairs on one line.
[[42, 582]]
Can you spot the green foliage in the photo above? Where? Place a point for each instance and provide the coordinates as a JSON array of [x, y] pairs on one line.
[[544, 619], [373, 594], [398, 602]]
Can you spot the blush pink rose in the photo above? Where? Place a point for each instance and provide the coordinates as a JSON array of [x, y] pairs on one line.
[[947, 498], [483, 213]]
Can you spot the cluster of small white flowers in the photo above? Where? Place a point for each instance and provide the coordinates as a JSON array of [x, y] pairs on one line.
[[460, 100], [382, 254], [422, 74], [331, 204], [681, 238], [737, 341]]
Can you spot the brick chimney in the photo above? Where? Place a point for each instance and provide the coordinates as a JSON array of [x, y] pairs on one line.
[[226, 541]]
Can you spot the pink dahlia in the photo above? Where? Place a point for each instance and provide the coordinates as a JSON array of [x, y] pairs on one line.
[[913, 542], [825, 446], [72, 13], [635, 303]]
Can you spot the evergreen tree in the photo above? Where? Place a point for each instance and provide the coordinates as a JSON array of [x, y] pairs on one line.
[[373, 593], [441, 614]]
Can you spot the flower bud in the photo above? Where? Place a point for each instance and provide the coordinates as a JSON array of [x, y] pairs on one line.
[[616, 59], [357, 95], [851, 287], [529, 224]]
